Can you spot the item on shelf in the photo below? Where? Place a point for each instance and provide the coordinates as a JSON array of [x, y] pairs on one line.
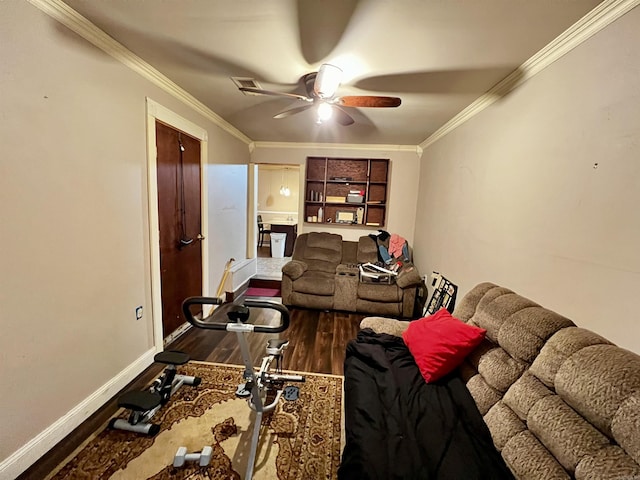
[[342, 179], [334, 199], [320, 215], [355, 198], [344, 216], [360, 215]]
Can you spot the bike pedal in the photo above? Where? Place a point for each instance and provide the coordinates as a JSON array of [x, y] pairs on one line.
[[242, 391]]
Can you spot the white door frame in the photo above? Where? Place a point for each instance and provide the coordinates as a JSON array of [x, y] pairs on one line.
[[155, 111], [252, 219]]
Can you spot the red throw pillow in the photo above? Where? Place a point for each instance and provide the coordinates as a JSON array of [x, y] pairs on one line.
[[440, 342]]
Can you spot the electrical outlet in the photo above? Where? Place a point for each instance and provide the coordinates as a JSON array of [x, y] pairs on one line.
[[139, 313]]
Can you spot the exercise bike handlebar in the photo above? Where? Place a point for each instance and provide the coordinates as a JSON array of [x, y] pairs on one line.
[[228, 325]]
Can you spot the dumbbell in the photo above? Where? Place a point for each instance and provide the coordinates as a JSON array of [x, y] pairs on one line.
[[203, 458]]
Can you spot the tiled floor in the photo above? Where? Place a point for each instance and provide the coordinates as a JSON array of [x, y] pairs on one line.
[[270, 268]]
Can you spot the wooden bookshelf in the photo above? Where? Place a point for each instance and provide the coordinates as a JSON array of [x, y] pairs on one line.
[[331, 184]]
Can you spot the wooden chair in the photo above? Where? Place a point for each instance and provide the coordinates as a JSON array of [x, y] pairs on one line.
[[261, 231]]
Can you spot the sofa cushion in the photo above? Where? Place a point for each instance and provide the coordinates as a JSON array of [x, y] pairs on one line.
[[379, 292], [625, 426], [499, 369], [608, 463], [527, 458], [349, 252], [528, 329], [558, 348], [483, 394], [408, 276], [440, 342], [390, 326], [496, 308], [387, 309], [316, 283], [367, 250], [320, 302], [524, 394], [596, 380], [503, 424], [323, 251], [567, 435]]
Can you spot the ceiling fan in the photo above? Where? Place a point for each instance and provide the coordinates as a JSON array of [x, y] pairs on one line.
[[321, 88]]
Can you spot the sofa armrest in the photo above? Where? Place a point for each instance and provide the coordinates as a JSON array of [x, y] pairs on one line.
[[389, 326], [408, 276], [294, 269]]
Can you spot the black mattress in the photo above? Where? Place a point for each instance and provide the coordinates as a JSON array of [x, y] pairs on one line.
[[400, 427]]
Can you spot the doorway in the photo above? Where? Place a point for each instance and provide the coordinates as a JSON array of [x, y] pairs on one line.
[[183, 221], [277, 202]]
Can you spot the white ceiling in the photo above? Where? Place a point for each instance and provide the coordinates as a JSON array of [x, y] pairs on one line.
[[437, 55]]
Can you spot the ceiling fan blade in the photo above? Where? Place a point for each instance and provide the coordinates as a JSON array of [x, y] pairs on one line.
[[367, 101], [322, 25], [342, 117], [259, 91], [292, 111]]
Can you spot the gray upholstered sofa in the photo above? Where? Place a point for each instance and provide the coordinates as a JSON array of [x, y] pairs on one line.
[[323, 274], [560, 401]]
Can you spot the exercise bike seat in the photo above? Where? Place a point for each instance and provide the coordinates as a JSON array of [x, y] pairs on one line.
[[140, 401], [276, 345], [171, 358]]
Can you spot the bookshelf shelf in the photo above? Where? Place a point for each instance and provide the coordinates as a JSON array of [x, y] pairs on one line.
[[350, 191]]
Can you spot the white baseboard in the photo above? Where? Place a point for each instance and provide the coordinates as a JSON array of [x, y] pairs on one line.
[[29, 453]]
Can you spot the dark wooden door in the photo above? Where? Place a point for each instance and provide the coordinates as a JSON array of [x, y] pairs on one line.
[[179, 222]]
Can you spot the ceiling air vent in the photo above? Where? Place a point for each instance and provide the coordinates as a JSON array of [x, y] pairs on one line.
[[246, 82]]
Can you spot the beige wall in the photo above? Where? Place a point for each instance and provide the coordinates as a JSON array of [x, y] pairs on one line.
[[75, 256], [405, 166], [272, 205], [540, 192]]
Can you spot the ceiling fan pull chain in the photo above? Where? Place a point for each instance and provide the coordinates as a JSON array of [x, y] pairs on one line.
[[184, 240]]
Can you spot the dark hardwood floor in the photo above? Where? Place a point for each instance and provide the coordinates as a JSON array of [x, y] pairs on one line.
[[317, 339], [318, 343]]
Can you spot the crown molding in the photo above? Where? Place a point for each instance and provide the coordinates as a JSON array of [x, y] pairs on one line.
[[342, 146], [594, 21], [64, 14]]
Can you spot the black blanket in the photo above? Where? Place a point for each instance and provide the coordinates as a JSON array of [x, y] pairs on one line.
[[400, 427]]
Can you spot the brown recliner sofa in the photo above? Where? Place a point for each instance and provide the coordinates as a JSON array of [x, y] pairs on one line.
[[560, 401], [323, 274]]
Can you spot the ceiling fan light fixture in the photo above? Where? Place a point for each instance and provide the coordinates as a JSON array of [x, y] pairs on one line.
[[327, 80], [325, 112]]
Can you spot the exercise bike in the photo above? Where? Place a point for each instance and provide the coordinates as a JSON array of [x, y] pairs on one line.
[[146, 403], [257, 384]]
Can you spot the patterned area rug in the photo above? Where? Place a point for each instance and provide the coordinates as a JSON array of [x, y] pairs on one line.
[[299, 439]]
